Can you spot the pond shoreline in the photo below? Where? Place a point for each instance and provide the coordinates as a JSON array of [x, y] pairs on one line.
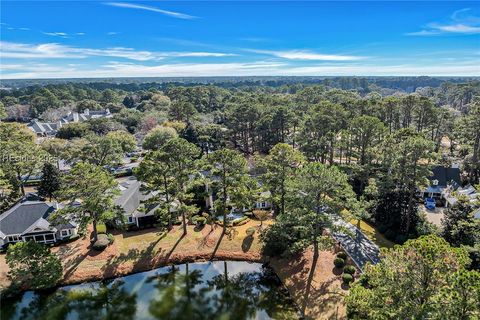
[[144, 250], [251, 281], [176, 260]]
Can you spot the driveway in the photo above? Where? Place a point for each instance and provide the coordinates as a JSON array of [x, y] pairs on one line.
[[361, 249]]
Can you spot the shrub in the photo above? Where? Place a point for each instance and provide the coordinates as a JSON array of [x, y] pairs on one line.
[[347, 278], [248, 213], [101, 243], [342, 255], [339, 262], [101, 228], [240, 221], [133, 158], [111, 238], [201, 220], [250, 231], [349, 269], [193, 219]]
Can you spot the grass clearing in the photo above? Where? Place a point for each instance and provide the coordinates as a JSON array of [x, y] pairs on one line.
[[373, 234]]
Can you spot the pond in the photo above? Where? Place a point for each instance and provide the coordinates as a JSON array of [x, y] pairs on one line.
[[213, 290], [232, 216]]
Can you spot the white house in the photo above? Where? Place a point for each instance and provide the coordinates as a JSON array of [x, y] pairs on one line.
[[28, 220], [262, 202]]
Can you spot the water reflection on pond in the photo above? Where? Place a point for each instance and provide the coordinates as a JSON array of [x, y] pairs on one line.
[[215, 290]]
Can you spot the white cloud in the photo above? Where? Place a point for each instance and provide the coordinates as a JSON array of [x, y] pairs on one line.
[[423, 33], [259, 68], [56, 34], [457, 28], [63, 34], [199, 54], [148, 8], [459, 23], [55, 50], [455, 15], [41, 51], [307, 55], [112, 33]]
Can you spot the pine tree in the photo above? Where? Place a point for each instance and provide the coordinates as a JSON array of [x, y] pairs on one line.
[[50, 181]]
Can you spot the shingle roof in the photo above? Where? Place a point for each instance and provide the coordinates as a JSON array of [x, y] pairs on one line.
[[24, 214], [42, 127], [129, 199], [445, 176], [132, 198]]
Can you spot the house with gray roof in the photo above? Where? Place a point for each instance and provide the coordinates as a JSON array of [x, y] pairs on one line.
[[85, 116], [44, 129], [442, 179], [133, 200], [49, 129], [29, 220], [468, 192]]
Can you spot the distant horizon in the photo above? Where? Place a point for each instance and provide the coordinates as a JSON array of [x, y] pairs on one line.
[[253, 76], [112, 39]]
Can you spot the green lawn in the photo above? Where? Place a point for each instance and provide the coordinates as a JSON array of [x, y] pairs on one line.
[[373, 234]]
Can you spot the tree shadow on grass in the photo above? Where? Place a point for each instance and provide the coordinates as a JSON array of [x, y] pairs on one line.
[[198, 227], [217, 245], [322, 298], [247, 243], [142, 259], [169, 254], [65, 253], [309, 282]]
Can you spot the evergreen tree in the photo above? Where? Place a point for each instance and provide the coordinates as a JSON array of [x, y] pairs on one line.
[[50, 182], [423, 279], [33, 266]]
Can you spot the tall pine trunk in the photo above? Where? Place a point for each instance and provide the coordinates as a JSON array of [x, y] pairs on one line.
[[95, 232]]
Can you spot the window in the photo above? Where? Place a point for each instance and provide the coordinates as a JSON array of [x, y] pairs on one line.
[[131, 219], [13, 238], [263, 205], [49, 237], [65, 233]]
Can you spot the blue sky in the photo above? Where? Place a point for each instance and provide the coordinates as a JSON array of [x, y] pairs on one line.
[[63, 39]]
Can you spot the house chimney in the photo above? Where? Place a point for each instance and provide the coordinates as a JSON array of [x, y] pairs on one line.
[[86, 112]]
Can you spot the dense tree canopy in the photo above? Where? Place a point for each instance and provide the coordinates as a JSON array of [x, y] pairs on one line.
[[95, 189], [33, 266], [425, 278]]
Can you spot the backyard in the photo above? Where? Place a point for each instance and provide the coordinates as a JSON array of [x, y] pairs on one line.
[[147, 249]]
